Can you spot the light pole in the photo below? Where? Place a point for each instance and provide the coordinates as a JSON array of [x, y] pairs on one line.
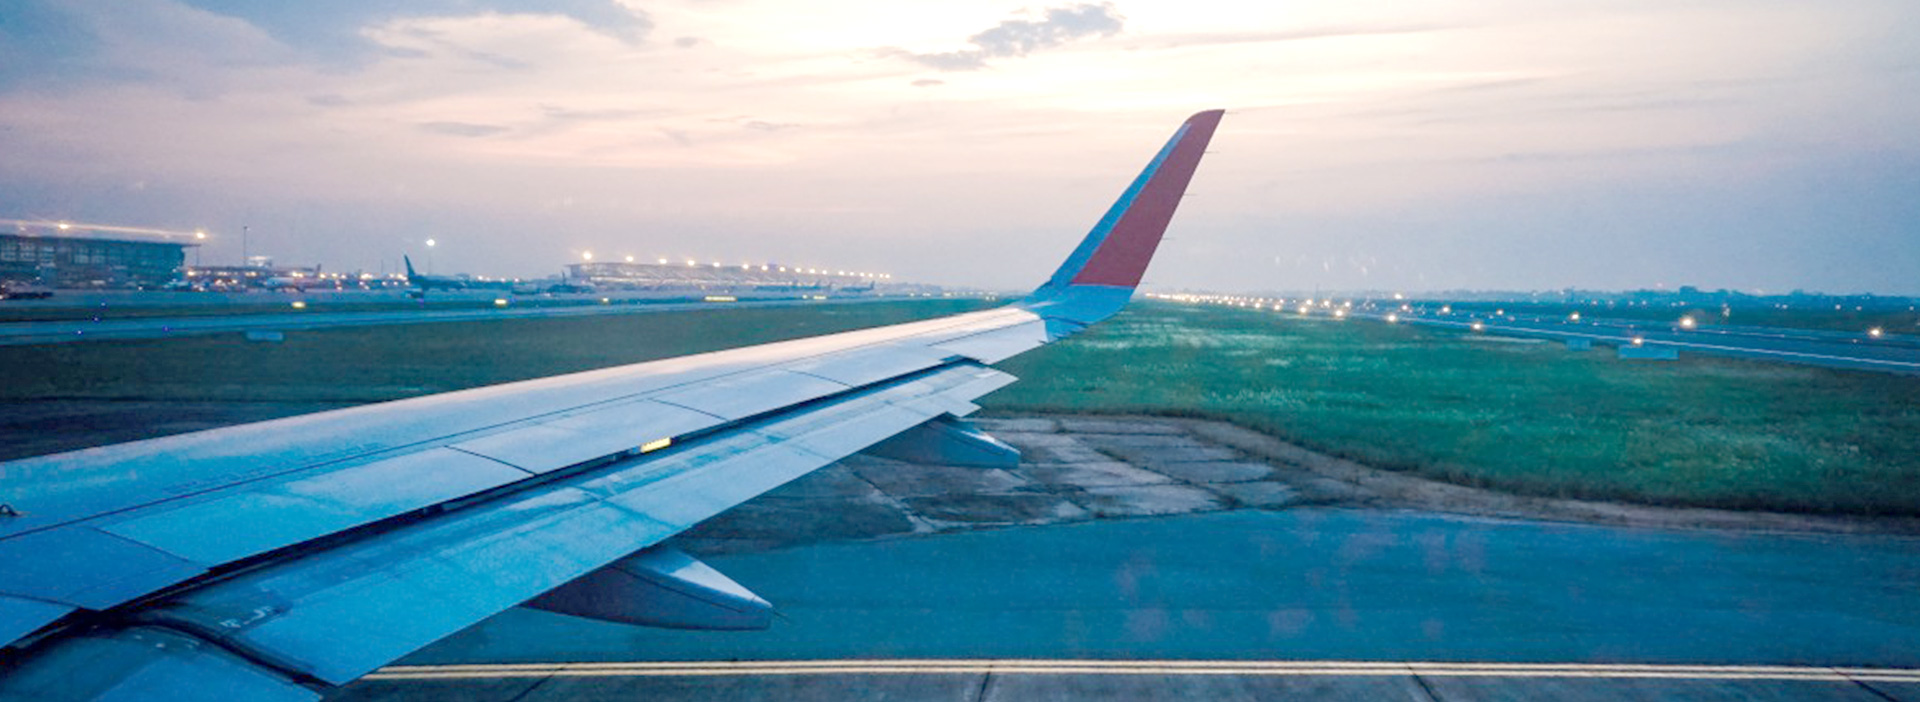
[[198, 235], [430, 244]]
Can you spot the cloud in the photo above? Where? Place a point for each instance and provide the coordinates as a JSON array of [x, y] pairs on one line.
[[928, 82], [1014, 38], [463, 129], [1170, 41]]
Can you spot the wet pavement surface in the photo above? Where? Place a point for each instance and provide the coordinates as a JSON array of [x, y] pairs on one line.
[[1152, 546]]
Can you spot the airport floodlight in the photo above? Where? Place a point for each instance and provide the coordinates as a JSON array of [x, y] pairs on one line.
[[1393, 318], [663, 261], [1686, 323], [1639, 340], [1340, 314], [64, 226], [586, 255], [1305, 309], [431, 243], [199, 233], [499, 302], [629, 259], [1446, 309], [1477, 326], [1574, 317], [1499, 312], [1876, 332], [299, 304]]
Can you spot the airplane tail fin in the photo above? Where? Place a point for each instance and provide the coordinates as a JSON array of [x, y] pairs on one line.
[[409, 262], [1099, 277]]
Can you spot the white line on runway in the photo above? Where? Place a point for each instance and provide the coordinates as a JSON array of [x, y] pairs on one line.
[[1905, 365], [1153, 667]]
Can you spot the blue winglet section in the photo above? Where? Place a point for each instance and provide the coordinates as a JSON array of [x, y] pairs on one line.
[[1099, 277]]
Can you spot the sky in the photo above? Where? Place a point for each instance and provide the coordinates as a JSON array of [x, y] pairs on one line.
[[1758, 145]]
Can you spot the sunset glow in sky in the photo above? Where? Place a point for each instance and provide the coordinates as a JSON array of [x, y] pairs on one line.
[[1751, 144]]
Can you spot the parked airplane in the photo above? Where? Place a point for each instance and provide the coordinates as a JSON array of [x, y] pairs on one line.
[[273, 561], [430, 282], [298, 282]]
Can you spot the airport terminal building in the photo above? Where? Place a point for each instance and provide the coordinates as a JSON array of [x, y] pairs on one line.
[[85, 262], [613, 275]]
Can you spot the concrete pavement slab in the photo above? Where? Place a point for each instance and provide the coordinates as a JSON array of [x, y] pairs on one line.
[[837, 480], [1214, 471], [1260, 494], [999, 425], [1091, 474], [1147, 500], [1107, 425], [1011, 508], [1052, 448], [901, 479], [1180, 440], [1156, 456]]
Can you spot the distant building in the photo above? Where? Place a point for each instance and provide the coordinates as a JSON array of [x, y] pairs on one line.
[[85, 262], [694, 276]]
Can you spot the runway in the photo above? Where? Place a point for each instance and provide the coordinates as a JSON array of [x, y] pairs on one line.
[[71, 331], [972, 680], [1887, 353]]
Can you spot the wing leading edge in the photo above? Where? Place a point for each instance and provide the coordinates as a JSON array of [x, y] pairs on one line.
[[241, 560]]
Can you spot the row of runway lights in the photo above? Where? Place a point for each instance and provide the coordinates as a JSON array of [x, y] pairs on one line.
[[1342, 309]]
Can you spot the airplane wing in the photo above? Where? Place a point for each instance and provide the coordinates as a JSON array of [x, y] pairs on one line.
[[276, 560]]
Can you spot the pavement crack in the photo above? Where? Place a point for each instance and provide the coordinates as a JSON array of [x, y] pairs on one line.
[[986, 685], [1425, 688], [1876, 692], [530, 688]]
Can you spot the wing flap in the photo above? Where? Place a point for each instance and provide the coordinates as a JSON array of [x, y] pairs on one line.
[[19, 617], [145, 664], [752, 393], [340, 613], [270, 516], [589, 435], [83, 567]]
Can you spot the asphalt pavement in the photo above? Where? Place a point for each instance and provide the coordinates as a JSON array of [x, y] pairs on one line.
[[1117, 563]]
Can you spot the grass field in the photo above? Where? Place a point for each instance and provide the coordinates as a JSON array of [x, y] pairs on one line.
[[1532, 418], [1526, 417], [371, 364]]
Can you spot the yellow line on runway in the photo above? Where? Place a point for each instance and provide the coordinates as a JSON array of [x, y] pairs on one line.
[[1153, 667]]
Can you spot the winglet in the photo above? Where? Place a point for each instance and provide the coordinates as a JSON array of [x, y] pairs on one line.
[[1099, 277]]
